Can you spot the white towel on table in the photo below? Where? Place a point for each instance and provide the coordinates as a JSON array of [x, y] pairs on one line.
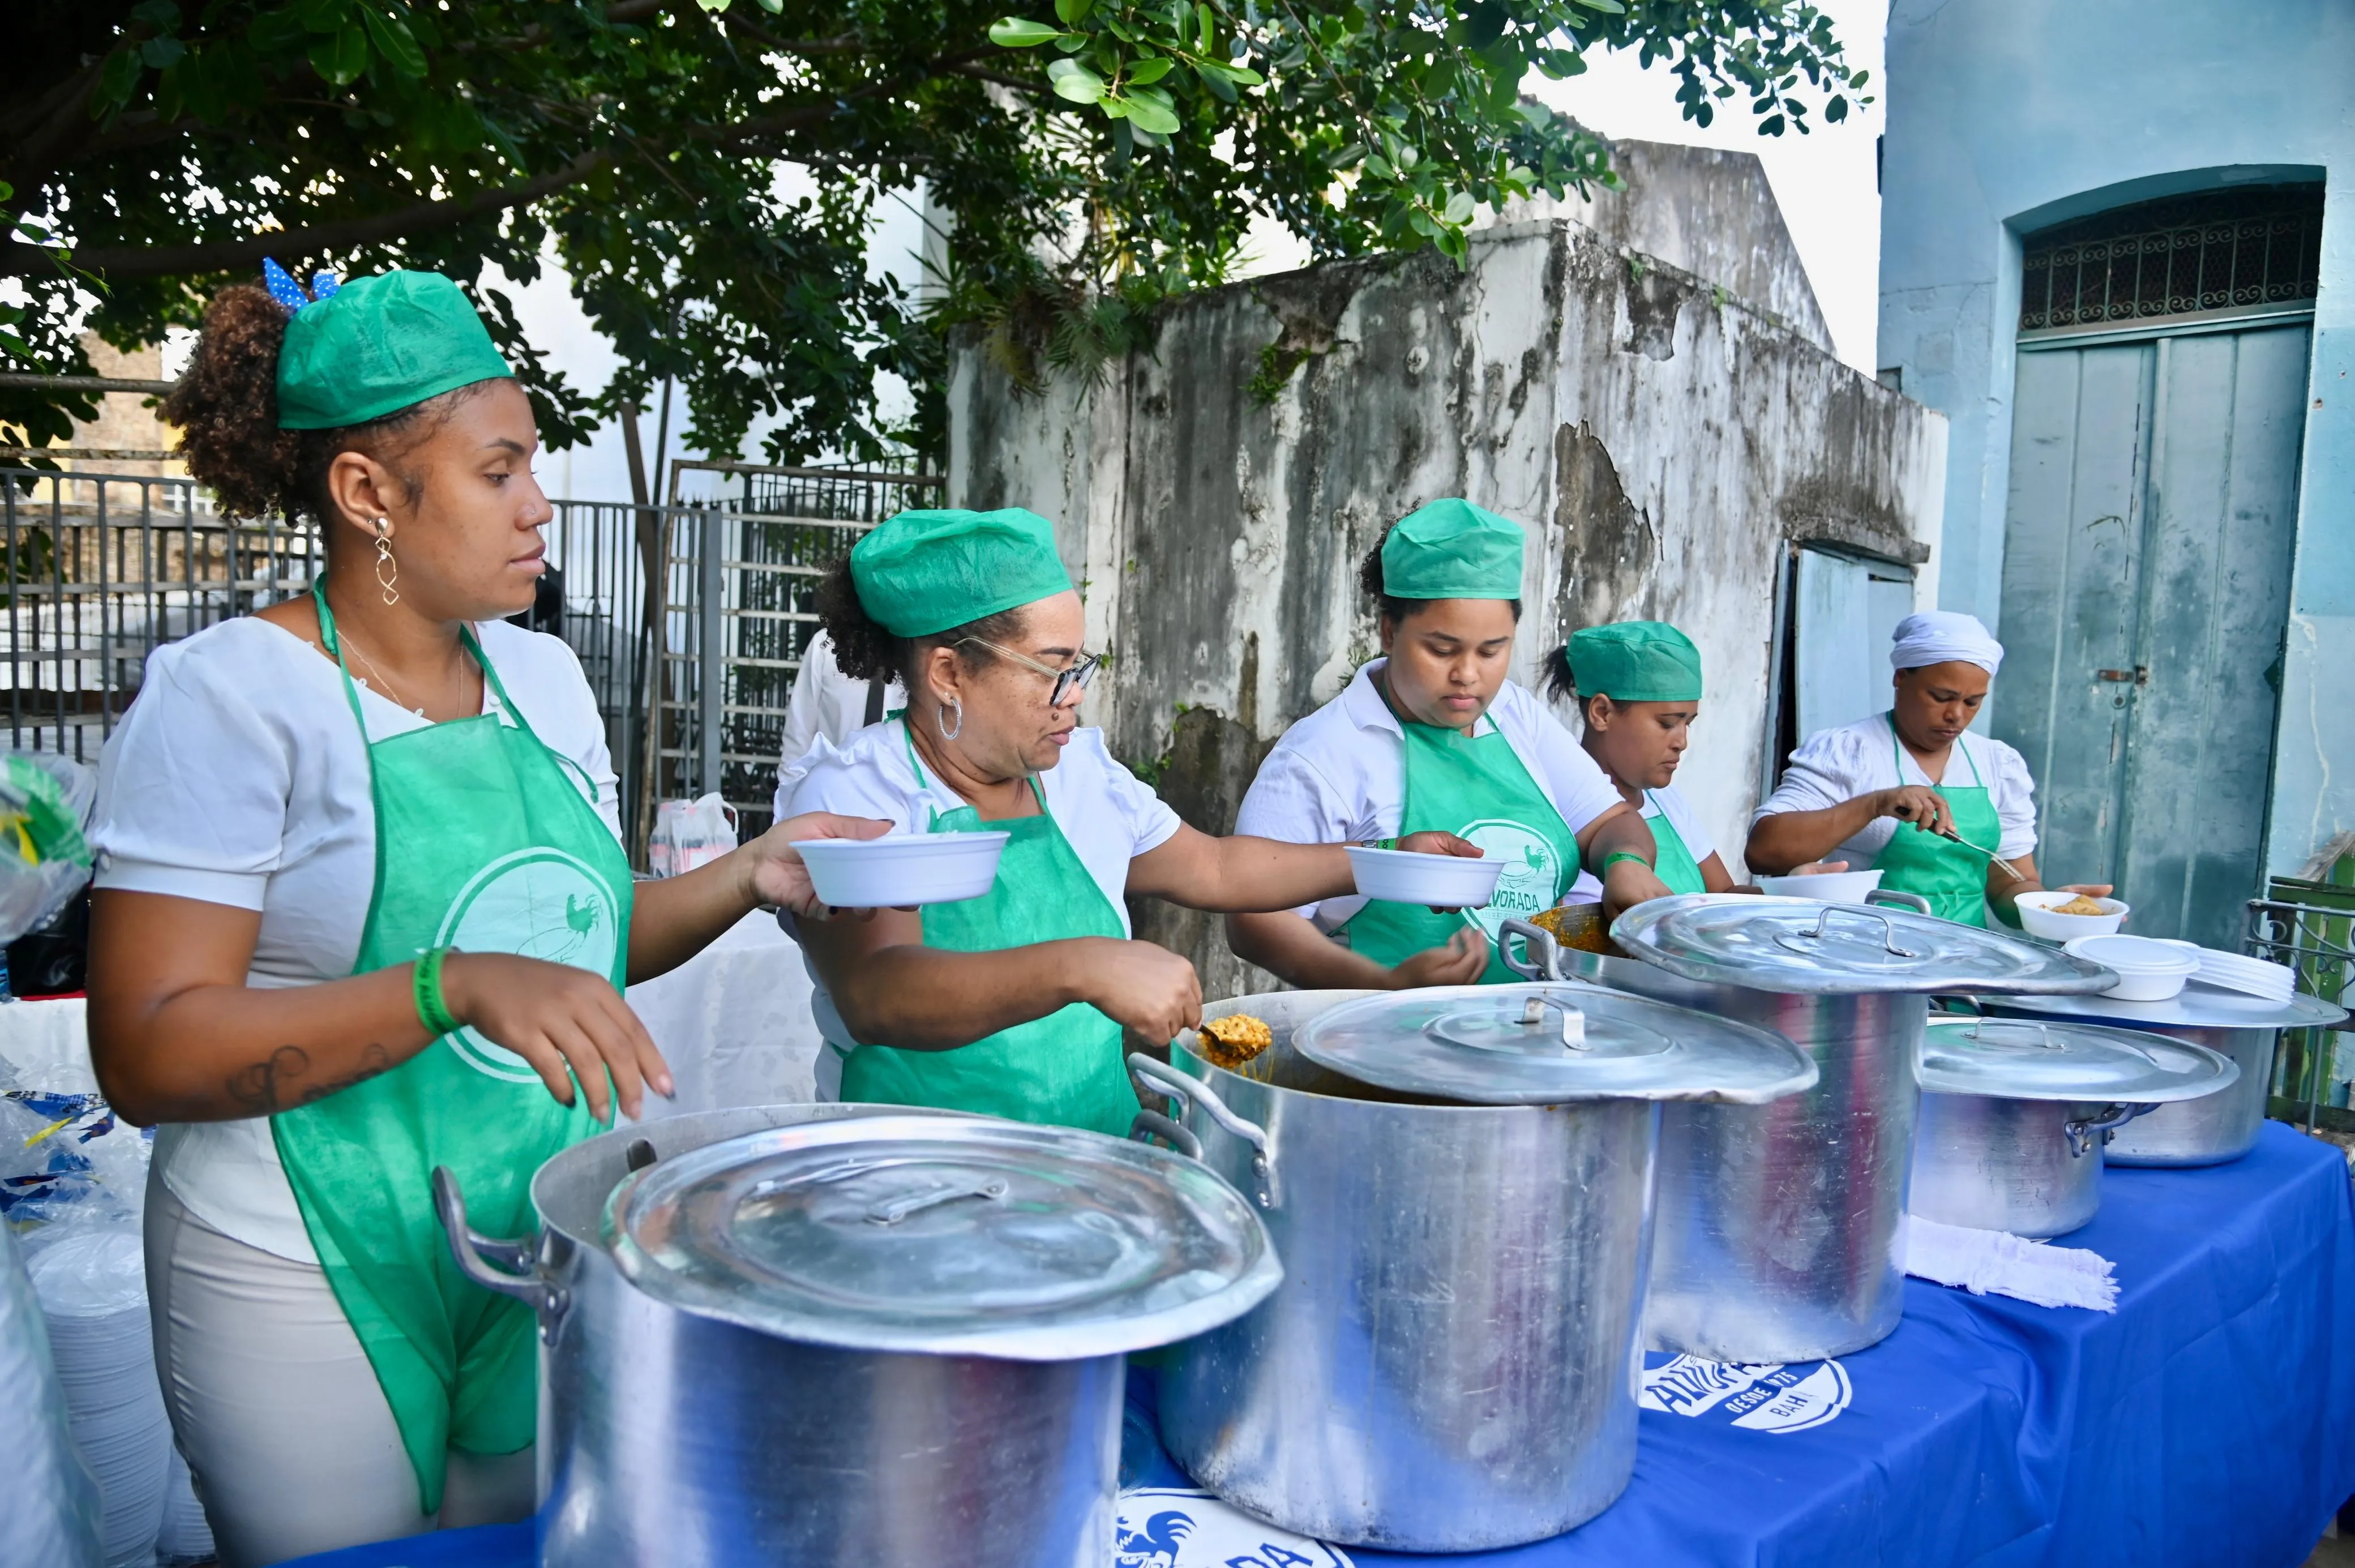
[[1997, 1263]]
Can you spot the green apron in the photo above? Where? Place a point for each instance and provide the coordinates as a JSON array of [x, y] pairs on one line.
[[1475, 787], [1064, 1070], [482, 843], [1672, 862], [1951, 876]]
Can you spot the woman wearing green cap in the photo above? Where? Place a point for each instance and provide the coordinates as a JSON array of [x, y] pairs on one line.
[[1638, 688], [1434, 736], [1014, 1003], [362, 910]]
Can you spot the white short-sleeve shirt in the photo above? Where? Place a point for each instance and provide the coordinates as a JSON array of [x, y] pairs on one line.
[[825, 702], [238, 777], [1669, 802], [1338, 776], [1106, 813], [1836, 765]]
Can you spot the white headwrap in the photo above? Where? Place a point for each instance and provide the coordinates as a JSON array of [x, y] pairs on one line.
[[1936, 637]]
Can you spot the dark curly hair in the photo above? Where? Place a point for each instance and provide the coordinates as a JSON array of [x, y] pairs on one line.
[[863, 649], [1395, 610], [226, 407]]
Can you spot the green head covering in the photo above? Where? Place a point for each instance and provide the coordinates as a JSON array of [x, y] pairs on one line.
[[925, 571], [1636, 661], [1453, 549], [378, 346]]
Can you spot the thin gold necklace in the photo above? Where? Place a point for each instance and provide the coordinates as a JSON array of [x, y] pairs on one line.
[[390, 690]]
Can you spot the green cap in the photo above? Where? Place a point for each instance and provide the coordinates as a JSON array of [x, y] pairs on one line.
[[1636, 661], [1453, 549], [924, 572], [378, 346]]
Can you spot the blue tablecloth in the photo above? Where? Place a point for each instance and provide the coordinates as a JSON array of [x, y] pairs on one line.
[[2209, 1420]]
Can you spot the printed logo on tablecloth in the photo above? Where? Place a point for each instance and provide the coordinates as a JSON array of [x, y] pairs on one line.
[[1764, 1396], [1175, 1527]]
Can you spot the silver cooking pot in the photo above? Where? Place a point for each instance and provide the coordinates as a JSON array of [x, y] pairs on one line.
[[1778, 1224], [793, 1336], [2221, 1126], [1450, 1363], [2015, 1114]]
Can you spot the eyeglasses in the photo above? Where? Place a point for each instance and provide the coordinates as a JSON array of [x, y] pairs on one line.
[[1067, 682]]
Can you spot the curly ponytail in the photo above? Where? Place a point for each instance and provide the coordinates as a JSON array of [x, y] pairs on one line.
[[226, 407]]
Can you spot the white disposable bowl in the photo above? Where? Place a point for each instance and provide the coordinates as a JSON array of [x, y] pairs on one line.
[[1438, 882], [2148, 970], [2037, 919], [1828, 887], [901, 870]]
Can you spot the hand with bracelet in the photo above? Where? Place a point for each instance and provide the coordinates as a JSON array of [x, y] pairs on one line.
[[1621, 850]]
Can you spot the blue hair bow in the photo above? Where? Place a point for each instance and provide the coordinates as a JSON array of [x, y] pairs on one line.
[[288, 292]]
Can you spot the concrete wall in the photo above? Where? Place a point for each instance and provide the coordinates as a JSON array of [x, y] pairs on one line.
[[1663, 440], [2005, 116]]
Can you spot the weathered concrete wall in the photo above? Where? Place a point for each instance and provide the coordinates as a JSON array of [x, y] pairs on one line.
[[1664, 442], [1709, 213]]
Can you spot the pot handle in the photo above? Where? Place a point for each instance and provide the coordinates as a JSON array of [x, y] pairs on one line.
[[2081, 1130], [1149, 1125], [503, 1267], [1543, 958], [1154, 1077], [1900, 899]]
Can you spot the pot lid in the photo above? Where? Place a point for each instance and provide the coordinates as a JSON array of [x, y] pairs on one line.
[[945, 1236], [2025, 1059], [2197, 1006], [1548, 1045], [1802, 946]]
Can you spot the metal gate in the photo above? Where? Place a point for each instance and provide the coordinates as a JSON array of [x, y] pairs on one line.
[[743, 546], [2146, 591]]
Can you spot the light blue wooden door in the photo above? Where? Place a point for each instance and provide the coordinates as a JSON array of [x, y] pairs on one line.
[[2146, 587], [1846, 607]]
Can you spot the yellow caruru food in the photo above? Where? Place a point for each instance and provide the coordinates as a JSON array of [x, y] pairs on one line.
[[2081, 904], [1576, 925], [1230, 1042]]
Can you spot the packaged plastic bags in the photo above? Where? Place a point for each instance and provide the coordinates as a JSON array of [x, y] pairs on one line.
[[45, 802], [48, 1503], [690, 833]]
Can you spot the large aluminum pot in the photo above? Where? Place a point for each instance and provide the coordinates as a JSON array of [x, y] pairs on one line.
[[2015, 1113], [679, 1437], [1452, 1365], [2219, 1127], [1451, 1362], [1778, 1229]]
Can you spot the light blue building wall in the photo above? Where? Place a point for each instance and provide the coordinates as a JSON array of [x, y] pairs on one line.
[[2007, 116]]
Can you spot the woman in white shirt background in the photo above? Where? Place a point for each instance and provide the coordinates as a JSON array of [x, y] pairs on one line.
[[1912, 790], [1434, 736], [362, 910]]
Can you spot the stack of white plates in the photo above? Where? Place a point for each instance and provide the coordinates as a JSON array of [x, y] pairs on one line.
[[2252, 976]]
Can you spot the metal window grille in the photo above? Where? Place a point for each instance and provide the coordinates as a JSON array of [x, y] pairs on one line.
[[2249, 248], [101, 569], [744, 547], [2310, 926]]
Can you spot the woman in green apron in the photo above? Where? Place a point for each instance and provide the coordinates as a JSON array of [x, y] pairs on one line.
[[1638, 688], [1434, 736], [1016, 1003], [364, 912], [1913, 793]]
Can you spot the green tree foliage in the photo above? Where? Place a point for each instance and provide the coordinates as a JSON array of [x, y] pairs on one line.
[[706, 171]]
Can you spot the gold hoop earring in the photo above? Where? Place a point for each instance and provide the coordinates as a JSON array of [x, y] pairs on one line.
[[388, 570]]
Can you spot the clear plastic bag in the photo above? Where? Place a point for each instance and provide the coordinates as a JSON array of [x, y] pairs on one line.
[[45, 804], [92, 1282], [690, 833]]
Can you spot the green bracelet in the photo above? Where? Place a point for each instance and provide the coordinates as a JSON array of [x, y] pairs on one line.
[[425, 986], [1618, 854]]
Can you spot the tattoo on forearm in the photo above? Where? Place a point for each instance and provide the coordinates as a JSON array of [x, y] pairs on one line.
[[269, 1086]]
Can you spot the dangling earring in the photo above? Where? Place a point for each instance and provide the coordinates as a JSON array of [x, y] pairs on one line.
[[388, 570], [940, 717]]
